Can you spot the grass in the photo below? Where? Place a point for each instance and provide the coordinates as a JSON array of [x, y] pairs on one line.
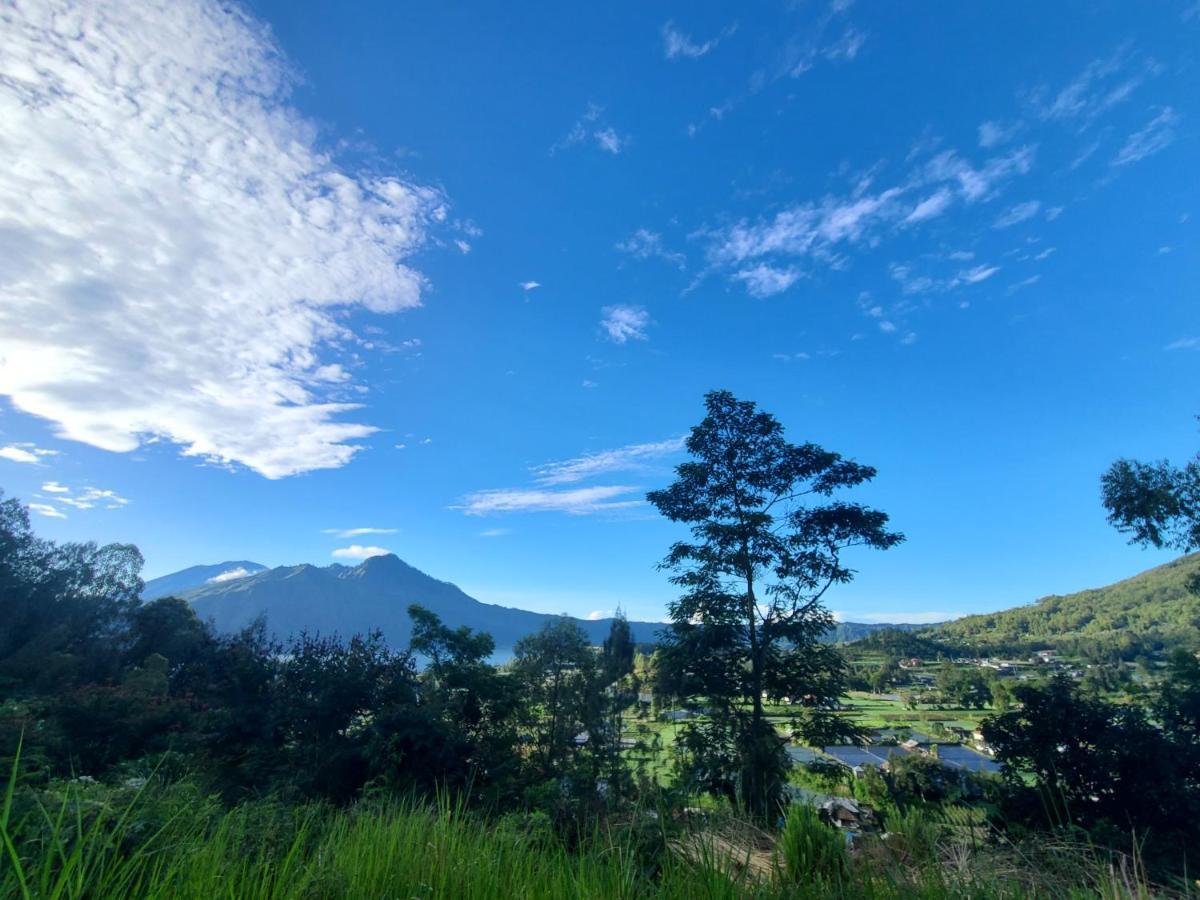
[[167, 841]]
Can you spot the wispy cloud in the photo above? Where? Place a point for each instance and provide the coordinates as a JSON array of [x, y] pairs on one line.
[[913, 283], [1184, 344], [530, 285], [932, 206], [624, 322], [678, 45], [646, 244], [495, 532], [763, 280], [358, 551], [91, 497], [992, 134], [824, 230], [179, 250], [1023, 283], [1103, 84], [592, 127], [633, 457], [846, 47], [576, 502], [25, 453], [1014, 215], [1157, 135], [356, 532], [45, 509], [53, 487]]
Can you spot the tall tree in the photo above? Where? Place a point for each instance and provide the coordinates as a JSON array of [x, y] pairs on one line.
[[1157, 504], [767, 544], [558, 671]]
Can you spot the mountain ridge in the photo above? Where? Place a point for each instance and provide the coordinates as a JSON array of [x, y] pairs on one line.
[[375, 594]]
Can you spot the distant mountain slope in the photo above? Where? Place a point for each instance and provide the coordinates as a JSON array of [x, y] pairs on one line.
[[197, 576], [376, 594], [1155, 605], [848, 632]]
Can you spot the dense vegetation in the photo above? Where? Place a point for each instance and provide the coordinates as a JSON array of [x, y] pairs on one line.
[[147, 755], [1151, 611]]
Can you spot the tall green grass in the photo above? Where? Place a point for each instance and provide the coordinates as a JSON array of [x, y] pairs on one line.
[[104, 843]]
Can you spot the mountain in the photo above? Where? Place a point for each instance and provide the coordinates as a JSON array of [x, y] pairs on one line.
[[372, 595], [197, 576], [1155, 608], [375, 594]]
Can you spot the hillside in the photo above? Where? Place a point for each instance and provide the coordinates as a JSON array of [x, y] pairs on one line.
[[198, 576], [375, 594], [1154, 607]]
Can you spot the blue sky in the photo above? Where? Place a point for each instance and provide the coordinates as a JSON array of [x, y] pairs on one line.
[[450, 280]]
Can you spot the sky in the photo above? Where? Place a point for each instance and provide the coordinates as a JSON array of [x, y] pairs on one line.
[[303, 282]]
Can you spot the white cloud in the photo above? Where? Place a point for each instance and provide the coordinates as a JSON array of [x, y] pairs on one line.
[[53, 487], [1023, 283], [933, 205], [178, 248], [356, 532], [887, 327], [592, 127], [530, 285], [982, 183], [576, 502], [358, 551], [847, 46], [1103, 84], [977, 274], [1157, 135], [230, 575], [607, 139], [23, 453], [763, 280], [624, 459], [644, 244], [624, 322], [912, 283], [92, 497], [1016, 214], [822, 229], [993, 133], [1184, 344], [47, 510], [495, 532], [597, 614], [677, 45]]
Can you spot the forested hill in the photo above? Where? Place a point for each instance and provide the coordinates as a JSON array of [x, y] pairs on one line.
[[1154, 608]]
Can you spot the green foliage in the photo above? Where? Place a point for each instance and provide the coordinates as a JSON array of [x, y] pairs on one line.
[[1104, 767], [766, 546], [964, 686], [813, 852], [1156, 504]]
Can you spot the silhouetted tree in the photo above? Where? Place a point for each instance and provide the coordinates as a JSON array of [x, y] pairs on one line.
[[1157, 504], [766, 545]]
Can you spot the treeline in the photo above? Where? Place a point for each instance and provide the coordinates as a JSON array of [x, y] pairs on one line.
[[97, 683]]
